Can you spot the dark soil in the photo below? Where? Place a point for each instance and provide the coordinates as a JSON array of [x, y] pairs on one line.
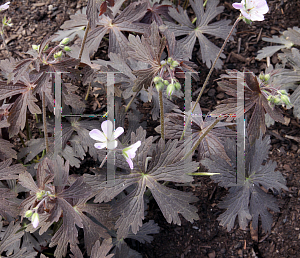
[[34, 19]]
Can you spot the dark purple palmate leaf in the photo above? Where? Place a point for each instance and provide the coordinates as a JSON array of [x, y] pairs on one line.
[[253, 99], [57, 204], [166, 165], [9, 207], [12, 235], [246, 199], [126, 21], [25, 99], [218, 29], [147, 49], [153, 13]]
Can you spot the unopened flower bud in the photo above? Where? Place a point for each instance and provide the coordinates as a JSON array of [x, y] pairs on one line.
[[39, 195], [157, 79], [270, 98], [35, 47], [65, 41], [169, 60], [163, 62], [177, 85], [170, 89], [35, 220], [58, 55], [28, 213], [277, 100], [267, 77], [46, 47], [159, 86], [68, 49], [286, 100], [283, 92], [175, 63], [166, 82]]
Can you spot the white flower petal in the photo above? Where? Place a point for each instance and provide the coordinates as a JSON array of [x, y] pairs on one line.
[[118, 132], [238, 5], [97, 135], [131, 152], [253, 10], [130, 163], [107, 127], [100, 145]]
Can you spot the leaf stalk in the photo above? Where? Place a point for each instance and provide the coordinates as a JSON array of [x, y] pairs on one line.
[[208, 76]]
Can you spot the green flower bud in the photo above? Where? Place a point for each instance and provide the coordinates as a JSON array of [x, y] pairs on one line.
[[58, 55], [177, 85], [28, 213], [159, 86], [65, 41], [166, 82], [277, 100], [267, 77], [170, 89], [283, 92], [157, 79], [169, 60], [39, 195], [174, 64], [36, 47], [68, 49], [35, 220], [270, 98], [286, 100], [46, 47]]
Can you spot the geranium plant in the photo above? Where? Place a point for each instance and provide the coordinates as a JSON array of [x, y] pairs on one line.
[[50, 195]]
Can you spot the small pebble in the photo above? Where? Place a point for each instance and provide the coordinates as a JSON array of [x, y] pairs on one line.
[[211, 92], [220, 95], [50, 7], [194, 227]]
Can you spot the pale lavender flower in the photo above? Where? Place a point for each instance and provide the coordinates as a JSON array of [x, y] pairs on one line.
[[107, 138], [129, 153], [35, 220], [4, 6], [252, 10]]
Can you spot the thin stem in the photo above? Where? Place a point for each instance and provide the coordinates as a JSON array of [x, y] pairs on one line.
[[162, 122], [201, 138], [51, 52], [208, 76], [22, 141], [130, 102], [5, 45], [103, 162], [88, 92], [45, 123], [83, 42]]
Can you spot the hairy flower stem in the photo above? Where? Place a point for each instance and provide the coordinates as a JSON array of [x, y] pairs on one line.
[[45, 122], [200, 139], [131, 100], [83, 42], [162, 122], [208, 76]]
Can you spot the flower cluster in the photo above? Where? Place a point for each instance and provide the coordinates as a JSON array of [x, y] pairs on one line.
[[107, 139], [252, 10]]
